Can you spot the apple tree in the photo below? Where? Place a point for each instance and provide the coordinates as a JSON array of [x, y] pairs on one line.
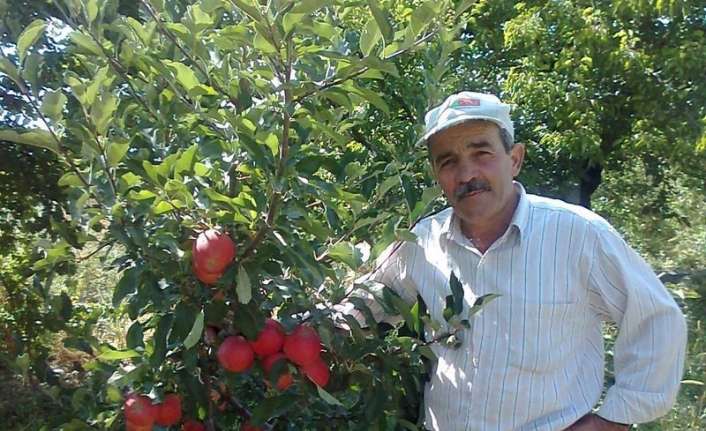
[[229, 151]]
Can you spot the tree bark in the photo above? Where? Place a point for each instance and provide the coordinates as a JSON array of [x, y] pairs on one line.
[[590, 180]]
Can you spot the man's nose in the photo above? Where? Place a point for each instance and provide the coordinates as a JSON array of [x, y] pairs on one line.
[[467, 170]]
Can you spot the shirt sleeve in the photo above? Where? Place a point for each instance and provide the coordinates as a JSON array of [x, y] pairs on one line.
[[392, 270], [651, 342]]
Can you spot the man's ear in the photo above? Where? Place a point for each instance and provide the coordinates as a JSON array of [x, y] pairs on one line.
[[517, 154]]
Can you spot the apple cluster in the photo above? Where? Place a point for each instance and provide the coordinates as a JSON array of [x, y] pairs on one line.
[[274, 349], [141, 414], [301, 347]]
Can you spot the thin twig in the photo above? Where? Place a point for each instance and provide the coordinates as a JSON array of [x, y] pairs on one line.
[[94, 252]]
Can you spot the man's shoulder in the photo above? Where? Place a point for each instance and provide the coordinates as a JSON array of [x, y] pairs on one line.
[[434, 223], [575, 213]]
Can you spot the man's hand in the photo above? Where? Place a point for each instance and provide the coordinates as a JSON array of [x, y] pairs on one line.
[[593, 422]]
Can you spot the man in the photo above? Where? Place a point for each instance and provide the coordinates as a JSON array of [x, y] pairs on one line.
[[534, 358]]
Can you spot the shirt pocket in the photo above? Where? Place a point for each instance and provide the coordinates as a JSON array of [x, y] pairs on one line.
[[545, 336]]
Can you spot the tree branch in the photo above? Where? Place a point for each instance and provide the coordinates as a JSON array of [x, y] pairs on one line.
[[276, 197]]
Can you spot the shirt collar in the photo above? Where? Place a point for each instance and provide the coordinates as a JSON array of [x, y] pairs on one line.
[[451, 228]]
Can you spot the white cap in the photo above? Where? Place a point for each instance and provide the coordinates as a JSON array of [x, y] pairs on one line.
[[466, 106]]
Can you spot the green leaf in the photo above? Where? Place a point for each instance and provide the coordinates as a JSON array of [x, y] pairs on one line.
[[429, 195], [291, 20], [159, 339], [400, 306], [387, 184], [481, 302], [374, 98], [249, 7], [31, 70], [184, 75], [243, 287], [53, 104], [369, 37], [116, 152], [248, 319], [141, 195], [457, 292], [386, 66], [85, 43], [29, 37], [102, 111], [196, 331], [347, 253], [328, 397], [361, 306], [131, 179], [121, 377], [272, 142], [151, 171], [91, 10], [324, 29], [308, 6], [405, 235], [70, 179], [421, 17], [210, 6], [101, 82], [185, 162], [108, 354], [262, 44], [135, 336], [35, 138], [127, 285], [8, 68], [162, 206], [382, 21], [272, 407]]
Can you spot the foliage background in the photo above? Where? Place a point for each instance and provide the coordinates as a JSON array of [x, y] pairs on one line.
[[610, 100]]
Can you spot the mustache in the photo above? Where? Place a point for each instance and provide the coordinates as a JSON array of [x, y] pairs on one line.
[[470, 187]]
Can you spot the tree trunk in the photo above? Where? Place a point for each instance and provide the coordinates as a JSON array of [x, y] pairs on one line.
[[590, 180]]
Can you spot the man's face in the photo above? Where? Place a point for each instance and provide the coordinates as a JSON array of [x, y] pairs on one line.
[[475, 172]]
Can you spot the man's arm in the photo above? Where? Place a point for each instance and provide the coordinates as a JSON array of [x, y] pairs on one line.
[[651, 342], [392, 270]]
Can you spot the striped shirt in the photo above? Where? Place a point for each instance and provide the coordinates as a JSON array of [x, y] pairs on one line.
[[534, 357]]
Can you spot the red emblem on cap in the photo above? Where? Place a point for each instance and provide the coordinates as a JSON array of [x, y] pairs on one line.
[[469, 102]]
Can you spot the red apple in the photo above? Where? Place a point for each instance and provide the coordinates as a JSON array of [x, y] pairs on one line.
[[317, 372], [139, 410], [213, 251], [169, 412], [303, 345], [235, 354], [285, 378], [192, 425], [270, 339], [206, 277]]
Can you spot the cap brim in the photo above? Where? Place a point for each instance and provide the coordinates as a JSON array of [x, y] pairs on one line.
[[455, 122]]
